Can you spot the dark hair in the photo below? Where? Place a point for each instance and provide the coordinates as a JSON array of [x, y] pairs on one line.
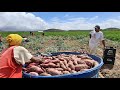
[[97, 26]]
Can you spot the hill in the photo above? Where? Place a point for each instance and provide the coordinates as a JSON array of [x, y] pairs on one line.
[[53, 30], [112, 28]]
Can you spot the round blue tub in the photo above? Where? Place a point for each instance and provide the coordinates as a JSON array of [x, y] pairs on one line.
[[92, 73]]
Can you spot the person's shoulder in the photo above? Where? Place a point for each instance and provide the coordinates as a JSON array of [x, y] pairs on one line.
[[20, 48], [100, 32]]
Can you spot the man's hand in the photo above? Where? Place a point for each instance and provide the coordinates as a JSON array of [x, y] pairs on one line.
[[103, 42]]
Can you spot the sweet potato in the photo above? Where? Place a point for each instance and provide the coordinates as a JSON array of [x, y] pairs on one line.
[[95, 63], [83, 56], [67, 59], [58, 65], [45, 74], [89, 62], [52, 65], [34, 73], [55, 61], [79, 61], [66, 72], [53, 71], [39, 70], [73, 57], [70, 65], [54, 57], [44, 65], [31, 64], [62, 65], [47, 61], [43, 69], [75, 62], [35, 69], [69, 69], [65, 63], [59, 69], [61, 59], [73, 71], [80, 66]]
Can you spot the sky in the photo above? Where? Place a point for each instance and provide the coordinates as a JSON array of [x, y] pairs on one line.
[[27, 21]]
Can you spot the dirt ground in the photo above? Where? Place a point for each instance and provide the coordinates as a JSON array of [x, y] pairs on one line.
[[112, 71], [109, 70]]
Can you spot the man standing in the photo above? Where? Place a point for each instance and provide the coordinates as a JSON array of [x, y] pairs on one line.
[[96, 37]]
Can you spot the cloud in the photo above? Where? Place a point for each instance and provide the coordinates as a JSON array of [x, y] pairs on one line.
[[82, 23], [55, 19], [20, 21], [110, 23], [93, 18], [71, 24], [66, 15]]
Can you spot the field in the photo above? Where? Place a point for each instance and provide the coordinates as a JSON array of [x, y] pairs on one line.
[[74, 41], [113, 35]]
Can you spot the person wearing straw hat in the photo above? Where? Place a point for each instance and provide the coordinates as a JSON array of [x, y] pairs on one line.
[[14, 57], [96, 37]]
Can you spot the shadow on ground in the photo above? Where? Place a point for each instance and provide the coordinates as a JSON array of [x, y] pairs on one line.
[[107, 66]]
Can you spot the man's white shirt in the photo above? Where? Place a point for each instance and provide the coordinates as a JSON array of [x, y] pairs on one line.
[[96, 37]]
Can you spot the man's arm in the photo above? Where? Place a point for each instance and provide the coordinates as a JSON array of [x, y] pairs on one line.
[[90, 35], [103, 42], [36, 59]]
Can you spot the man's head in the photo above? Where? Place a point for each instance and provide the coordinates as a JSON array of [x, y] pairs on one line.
[[14, 39], [97, 28]]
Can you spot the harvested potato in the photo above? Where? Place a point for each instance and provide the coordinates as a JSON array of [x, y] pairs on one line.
[[66, 72], [55, 61], [60, 64], [35, 69], [80, 66], [34, 73], [65, 63], [70, 65], [53, 71], [89, 62], [73, 71], [95, 63], [45, 74], [59, 69]]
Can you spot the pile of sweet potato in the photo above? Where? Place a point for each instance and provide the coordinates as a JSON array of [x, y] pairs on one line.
[[61, 64]]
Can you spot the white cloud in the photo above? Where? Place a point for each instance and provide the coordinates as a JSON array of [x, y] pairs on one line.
[[93, 18], [110, 23], [66, 15], [55, 19], [20, 21], [28, 21], [71, 24], [82, 23]]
